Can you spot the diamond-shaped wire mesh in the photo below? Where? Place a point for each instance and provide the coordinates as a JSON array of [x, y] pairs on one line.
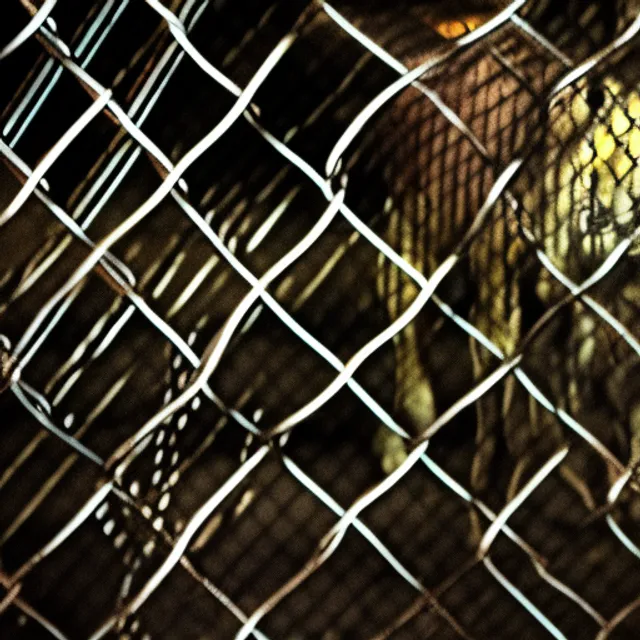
[[319, 320]]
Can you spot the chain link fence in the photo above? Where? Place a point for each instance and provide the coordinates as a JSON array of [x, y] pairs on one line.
[[319, 320]]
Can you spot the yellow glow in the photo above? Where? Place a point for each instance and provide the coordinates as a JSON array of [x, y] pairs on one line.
[[455, 28], [586, 153], [619, 122], [634, 143], [634, 105], [605, 143], [622, 164]]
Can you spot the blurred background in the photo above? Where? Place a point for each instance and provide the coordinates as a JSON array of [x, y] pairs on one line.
[[207, 211]]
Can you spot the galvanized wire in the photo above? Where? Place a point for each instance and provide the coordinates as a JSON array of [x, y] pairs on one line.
[[201, 413]]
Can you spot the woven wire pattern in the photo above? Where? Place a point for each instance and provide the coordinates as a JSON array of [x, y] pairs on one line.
[[219, 230]]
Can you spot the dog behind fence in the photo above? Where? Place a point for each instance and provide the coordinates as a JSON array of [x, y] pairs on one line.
[[319, 320]]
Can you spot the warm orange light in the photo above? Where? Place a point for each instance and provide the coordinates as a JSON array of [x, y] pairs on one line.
[[456, 28]]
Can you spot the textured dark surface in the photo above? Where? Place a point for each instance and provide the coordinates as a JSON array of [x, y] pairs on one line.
[[112, 352]]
